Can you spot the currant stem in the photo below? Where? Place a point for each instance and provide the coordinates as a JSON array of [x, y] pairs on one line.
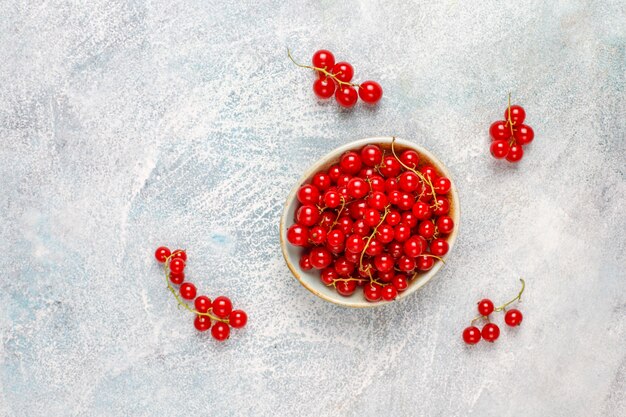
[[371, 236], [343, 205], [416, 172], [518, 298], [323, 71]]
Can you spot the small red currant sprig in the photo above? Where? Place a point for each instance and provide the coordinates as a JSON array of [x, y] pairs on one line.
[[334, 78], [220, 310], [511, 134], [491, 331]]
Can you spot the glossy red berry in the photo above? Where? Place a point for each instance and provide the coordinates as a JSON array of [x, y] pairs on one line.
[[371, 216], [385, 233], [177, 278], [222, 306], [371, 155], [442, 185], [513, 317], [515, 114], [350, 163], [410, 158], [317, 235], [334, 172], [346, 96], [413, 247], [220, 331], [401, 232], [490, 332], [422, 210], [202, 323], [424, 263], [298, 235], [322, 181], [499, 148], [324, 87], [390, 292], [390, 167], [445, 224], [329, 275], [426, 229], [393, 218], [372, 292], [320, 257], [355, 243], [345, 288], [429, 172], [409, 181], [305, 262], [238, 319], [515, 153], [187, 291], [202, 303], [370, 92], [383, 262], [400, 282], [471, 335], [500, 130], [406, 264], [523, 135], [307, 215], [308, 194], [485, 307], [177, 265], [323, 59], [358, 188], [343, 71], [344, 267], [162, 253], [439, 247], [180, 254]]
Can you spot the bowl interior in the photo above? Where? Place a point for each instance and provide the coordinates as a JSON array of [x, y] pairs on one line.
[[311, 279]]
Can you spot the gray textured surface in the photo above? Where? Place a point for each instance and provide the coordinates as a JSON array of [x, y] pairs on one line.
[[125, 125]]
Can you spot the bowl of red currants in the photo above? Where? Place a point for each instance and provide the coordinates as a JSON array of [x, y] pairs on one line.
[[371, 222]]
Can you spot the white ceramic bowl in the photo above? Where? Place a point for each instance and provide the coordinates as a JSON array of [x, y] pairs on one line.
[[311, 279]]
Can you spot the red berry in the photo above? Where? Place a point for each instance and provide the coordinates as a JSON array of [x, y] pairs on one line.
[[515, 114], [372, 292], [385, 276], [395, 249], [523, 135], [346, 96], [332, 199], [445, 224], [426, 229], [322, 181], [355, 243], [335, 237], [307, 215], [385, 233], [324, 87], [305, 262], [344, 224], [409, 181], [515, 153], [345, 288], [422, 210], [308, 194], [352, 257], [317, 235], [177, 278], [429, 172], [298, 235], [222, 306], [377, 200], [323, 59], [393, 218], [358, 188], [406, 264], [406, 201], [390, 167], [334, 172], [350, 163], [329, 275], [343, 71], [375, 247], [409, 219], [220, 331], [442, 185], [370, 92], [400, 282], [402, 232], [513, 317], [202, 323], [187, 291], [371, 155], [391, 184], [414, 247], [371, 217], [390, 292], [471, 335], [344, 267], [162, 253], [499, 148], [361, 228], [443, 206], [202, 304], [320, 258], [485, 307], [383, 262], [238, 319], [500, 130], [177, 265], [490, 332], [439, 247], [179, 253], [424, 263], [410, 158]]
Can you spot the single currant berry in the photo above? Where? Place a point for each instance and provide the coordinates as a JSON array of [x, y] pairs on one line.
[[377, 183], [334, 172], [187, 291], [238, 319], [358, 188], [344, 267], [375, 247], [422, 210], [391, 184], [409, 219], [367, 172], [390, 292], [177, 278], [343, 180], [443, 206], [346, 96], [345, 288], [515, 153], [371, 155], [383, 262], [377, 200], [320, 258], [490, 332], [426, 229], [324, 87], [394, 197], [361, 228], [485, 307], [445, 224], [471, 335], [513, 317], [220, 331], [409, 181], [429, 172], [162, 253], [373, 292], [317, 235], [442, 185], [401, 232], [385, 233], [413, 247], [406, 264], [329, 275], [353, 257], [424, 263], [307, 215], [499, 148], [308, 194], [202, 323], [322, 181], [393, 218], [370, 92], [332, 199], [343, 71], [524, 135], [410, 158], [202, 304], [515, 114], [328, 218], [406, 201], [180, 254], [371, 216], [439, 247], [335, 237], [391, 167], [323, 59], [298, 235], [400, 282], [344, 224], [395, 249], [500, 130], [305, 262], [350, 163], [177, 265], [385, 276], [355, 243], [222, 306]]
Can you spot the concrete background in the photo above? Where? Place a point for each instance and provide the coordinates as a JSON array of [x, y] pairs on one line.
[[129, 124]]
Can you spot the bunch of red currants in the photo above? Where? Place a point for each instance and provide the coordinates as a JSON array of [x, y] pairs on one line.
[[510, 135], [219, 310], [335, 78], [373, 220]]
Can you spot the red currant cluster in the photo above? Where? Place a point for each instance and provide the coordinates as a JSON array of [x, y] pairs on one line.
[[373, 220], [220, 310], [511, 134], [491, 331], [334, 78]]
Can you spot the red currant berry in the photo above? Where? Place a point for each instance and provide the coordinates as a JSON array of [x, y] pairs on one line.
[[334, 172], [322, 181], [222, 306], [500, 130], [377, 200], [343, 180], [320, 258], [344, 267], [485, 307], [345, 288], [515, 153], [410, 158], [202, 304], [390, 167], [370, 92], [424, 263], [490, 332], [383, 262], [162, 253], [358, 188], [439, 247], [414, 247], [324, 87], [515, 114], [177, 265], [390, 292], [343, 71], [371, 216], [442, 185], [373, 292], [409, 181], [317, 235], [377, 183], [393, 218], [371, 155], [307, 215], [385, 276], [328, 218], [429, 172], [336, 249], [409, 219], [332, 199], [400, 282], [298, 235], [471, 335], [394, 197], [180, 254], [524, 135], [402, 232], [177, 278], [352, 257], [308, 194], [346, 96], [361, 228], [202, 323], [335, 237], [344, 224], [375, 247], [422, 210], [426, 229], [443, 206], [355, 243], [499, 148], [329, 275], [406, 201], [445, 224], [385, 233], [391, 184], [350, 163], [367, 172], [323, 59], [396, 249], [513, 317], [305, 262], [238, 319], [220, 331], [187, 290], [406, 264]]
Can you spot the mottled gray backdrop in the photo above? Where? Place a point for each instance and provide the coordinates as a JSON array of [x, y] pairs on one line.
[[129, 124]]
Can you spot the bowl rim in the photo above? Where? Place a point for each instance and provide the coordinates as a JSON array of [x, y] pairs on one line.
[[334, 154]]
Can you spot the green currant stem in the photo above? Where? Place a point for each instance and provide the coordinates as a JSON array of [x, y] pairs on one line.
[[369, 239], [518, 298], [416, 172], [323, 71], [343, 205]]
